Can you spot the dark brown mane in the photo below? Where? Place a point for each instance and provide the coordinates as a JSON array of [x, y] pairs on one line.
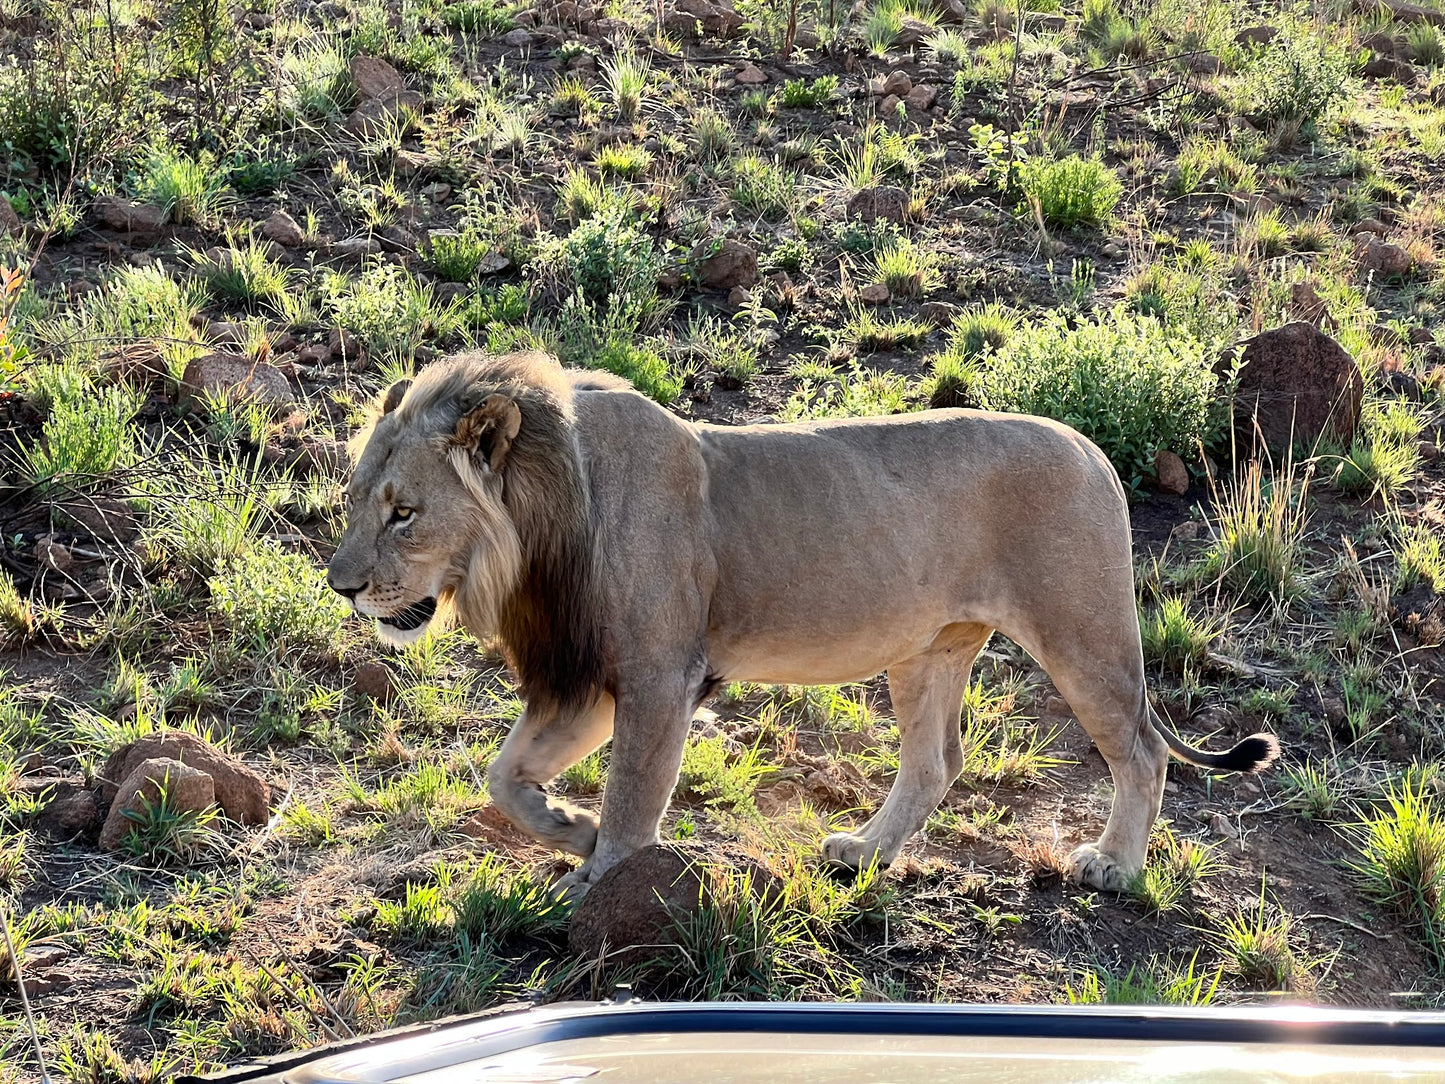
[[550, 625]]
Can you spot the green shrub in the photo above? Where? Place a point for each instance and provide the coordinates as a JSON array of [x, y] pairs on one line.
[[646, 368], [84, 439], [810, 94], [1071, 192], [613, 262], [1298, 78], [275, 602], [1123, 381], [486, 17], [456, 257]]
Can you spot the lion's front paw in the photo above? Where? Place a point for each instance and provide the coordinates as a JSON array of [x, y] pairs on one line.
[[573, 886], [576, 831], [849, 851], [1092, 868]]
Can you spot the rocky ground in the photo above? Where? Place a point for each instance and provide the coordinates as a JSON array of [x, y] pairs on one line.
[[231, 825]]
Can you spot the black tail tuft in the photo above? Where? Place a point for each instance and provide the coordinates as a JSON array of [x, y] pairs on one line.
[[1253, 754]]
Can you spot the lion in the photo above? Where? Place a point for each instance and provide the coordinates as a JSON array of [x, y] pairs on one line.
[[628, 562]]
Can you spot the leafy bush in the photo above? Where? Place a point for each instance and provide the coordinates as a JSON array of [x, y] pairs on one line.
[[1123, 381], [613, 263], [276, 602], [1071, 192], [1298, 78]]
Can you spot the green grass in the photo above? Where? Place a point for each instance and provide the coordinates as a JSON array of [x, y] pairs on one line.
[[1071, 193], [192, 190], [1175, 638], [1401, 861], [1155, 983], [87, 437], [1259, 527], [717, 776], [243, 273]]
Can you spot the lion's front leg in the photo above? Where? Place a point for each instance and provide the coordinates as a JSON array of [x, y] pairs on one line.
[[541, 745], [651, 730]]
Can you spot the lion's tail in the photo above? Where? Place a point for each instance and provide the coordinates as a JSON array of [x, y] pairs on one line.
[[1254, 753]]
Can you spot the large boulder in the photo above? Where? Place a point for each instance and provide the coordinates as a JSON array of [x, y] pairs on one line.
[[732, 264], [1296, 384], [186, 790], [240, 792]]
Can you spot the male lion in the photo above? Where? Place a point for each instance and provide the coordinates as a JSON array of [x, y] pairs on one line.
[[628, 562]]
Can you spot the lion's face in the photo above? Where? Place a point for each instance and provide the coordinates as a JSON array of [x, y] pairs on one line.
[[407, 525], [425, 516]]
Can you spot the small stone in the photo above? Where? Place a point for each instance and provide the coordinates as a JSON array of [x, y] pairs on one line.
[[186, 789], [1256, 35], [890, 105], [494, 263], [357, 246], [143, 221], [1387, 67], [314, 354], [1384, 258], [1222, 826], [49, 982], [1205, 64], [1057, 705], [939, 313], [1188, 531], [897, 83], [1429, 451], [517, 39], [283, 229], [71, 812], [1173, 475], [875, 86], [375, 78], [875, 293], [343, 344], [1421, 336], [725, 266], [881, 202], [912, 32], [369, 117], [233, 374], [739, 296], [921, 97], [375, 679], [751, 75], [438, 192], [225, 333], [9, 220], [1371, 225]]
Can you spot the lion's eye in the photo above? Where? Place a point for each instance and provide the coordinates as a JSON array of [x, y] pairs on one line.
[[402, 515]]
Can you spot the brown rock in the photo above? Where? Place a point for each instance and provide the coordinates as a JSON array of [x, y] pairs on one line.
[[187, 790], [1306, 304], [70, 812], [315, 457], [1402, 11], [875, 293], [375, 679], [1204, 64], [897, 83], [939, 313], [1171, 472], [632, 911], [1298, 383], [235, 374], [1429, 451], [750, 75], [912, 32], [1387, 67], [1256, 35], [9, 220], [921, 97], [739, 296], [343, 344], [143, 221], [884, 201], [375, 78], [283, 229], [1371, 225], [732, 264], [1222, 826], [240, 792], [1380, 44], [106, 518], [1383, 258], [369, 117]]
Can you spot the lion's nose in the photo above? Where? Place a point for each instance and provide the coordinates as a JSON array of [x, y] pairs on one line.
[[345, 592]]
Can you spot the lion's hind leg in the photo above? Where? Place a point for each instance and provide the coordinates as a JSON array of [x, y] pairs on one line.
[[927, 693], [541, 745]]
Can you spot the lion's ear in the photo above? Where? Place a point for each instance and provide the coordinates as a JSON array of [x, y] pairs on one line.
[[392, 399], [488, 428]]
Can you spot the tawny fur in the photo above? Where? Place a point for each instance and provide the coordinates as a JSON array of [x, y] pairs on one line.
[[628, 561]]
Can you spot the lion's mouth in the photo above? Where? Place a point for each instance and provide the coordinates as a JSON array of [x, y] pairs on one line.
[[412, 617]]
